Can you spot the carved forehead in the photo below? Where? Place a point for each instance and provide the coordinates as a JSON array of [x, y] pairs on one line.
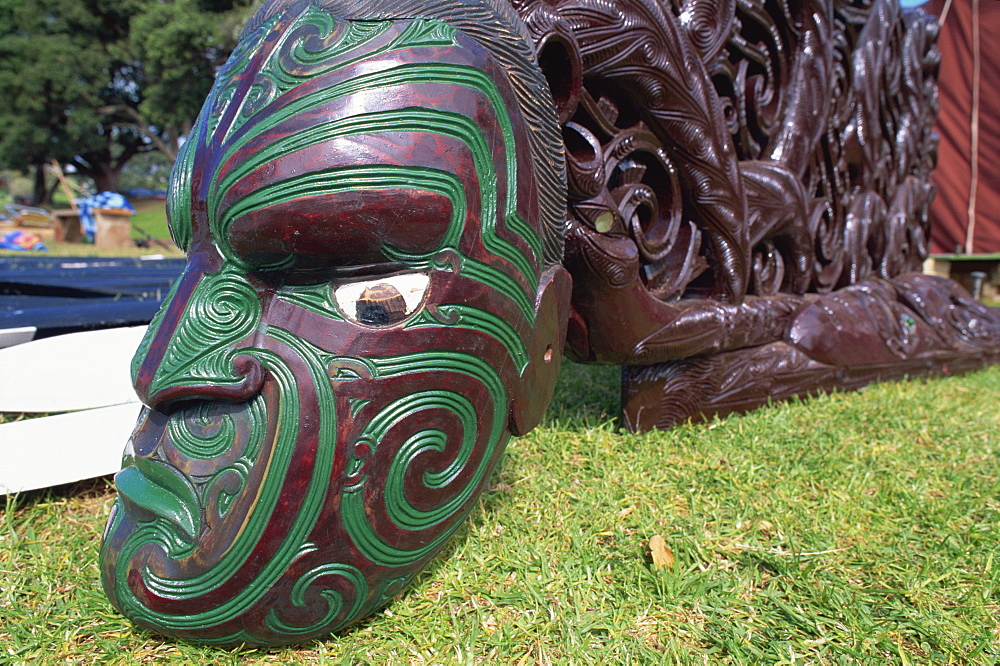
[[309, 106], [288, 43]]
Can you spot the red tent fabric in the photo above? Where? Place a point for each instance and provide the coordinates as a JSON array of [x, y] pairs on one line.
[[955, 176]]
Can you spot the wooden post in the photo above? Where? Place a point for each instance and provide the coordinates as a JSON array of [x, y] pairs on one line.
[[64, 185]]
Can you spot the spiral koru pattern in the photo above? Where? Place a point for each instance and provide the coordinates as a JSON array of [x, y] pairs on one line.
[[223, 311], [438, 445]]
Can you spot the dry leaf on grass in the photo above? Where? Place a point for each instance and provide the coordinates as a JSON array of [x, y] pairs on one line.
[[661, 554]]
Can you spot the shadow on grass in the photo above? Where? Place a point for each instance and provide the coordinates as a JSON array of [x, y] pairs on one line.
[[585, 396]]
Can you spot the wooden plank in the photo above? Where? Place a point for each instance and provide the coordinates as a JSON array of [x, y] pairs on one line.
[[69, 372], [16, 336], [47, 313], [49, 451]]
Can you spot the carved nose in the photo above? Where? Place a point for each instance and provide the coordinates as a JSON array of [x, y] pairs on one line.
[[243, 381], [196, 347]]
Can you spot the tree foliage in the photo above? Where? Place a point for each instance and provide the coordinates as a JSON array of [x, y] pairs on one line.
[[92, 83]]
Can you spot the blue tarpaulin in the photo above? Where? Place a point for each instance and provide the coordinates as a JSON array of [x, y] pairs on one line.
[[62, 294]]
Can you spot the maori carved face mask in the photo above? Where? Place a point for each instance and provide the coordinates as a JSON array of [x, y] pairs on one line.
[[365, 318]]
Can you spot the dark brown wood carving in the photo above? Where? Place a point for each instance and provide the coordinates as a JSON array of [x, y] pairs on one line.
[[396, 212], [748, 199]]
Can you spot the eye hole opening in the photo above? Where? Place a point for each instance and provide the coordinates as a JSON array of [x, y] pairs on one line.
[[383, 301]]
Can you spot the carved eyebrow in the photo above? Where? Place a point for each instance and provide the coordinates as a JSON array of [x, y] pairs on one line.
[[431, 73], [383, 176], [363, 177], [409, 119], [403, 120]]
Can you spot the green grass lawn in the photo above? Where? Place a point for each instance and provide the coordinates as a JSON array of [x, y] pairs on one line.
[[151, 217], [841, 529]]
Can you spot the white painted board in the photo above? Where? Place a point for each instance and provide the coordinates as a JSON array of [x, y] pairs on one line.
[[52, 450], [69, 372], [16, 336]]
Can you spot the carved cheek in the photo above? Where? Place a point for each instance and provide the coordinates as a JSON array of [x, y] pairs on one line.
[[361, 454], [344, 227]]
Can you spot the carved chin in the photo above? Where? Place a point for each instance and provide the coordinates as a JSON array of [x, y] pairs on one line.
[[294, 514]]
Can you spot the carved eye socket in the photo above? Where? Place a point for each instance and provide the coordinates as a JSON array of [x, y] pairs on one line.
[[383, 301]]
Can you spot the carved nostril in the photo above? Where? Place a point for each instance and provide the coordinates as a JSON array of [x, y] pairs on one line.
[[253, 377], [241, 385]]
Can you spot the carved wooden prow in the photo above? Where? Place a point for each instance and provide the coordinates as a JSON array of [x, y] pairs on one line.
[[748, 199]]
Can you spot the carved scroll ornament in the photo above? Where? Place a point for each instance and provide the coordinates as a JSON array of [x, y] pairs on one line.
[[730, 154]]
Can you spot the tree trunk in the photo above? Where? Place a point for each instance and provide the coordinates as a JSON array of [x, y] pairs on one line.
[[40, 193], [99, 166], [105, 178], [50, 194]]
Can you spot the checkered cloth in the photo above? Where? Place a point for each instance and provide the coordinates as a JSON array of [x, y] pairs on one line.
[[102, 200]]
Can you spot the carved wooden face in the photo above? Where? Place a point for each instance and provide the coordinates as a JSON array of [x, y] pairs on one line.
[[363, 322]]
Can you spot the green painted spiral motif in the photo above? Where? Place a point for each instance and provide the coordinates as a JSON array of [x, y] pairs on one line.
[[404, 514], [401, 511], [304, 64], [165, 533], [223, 310], [194, 446], [356, 33], [229, 483], [334, 599]]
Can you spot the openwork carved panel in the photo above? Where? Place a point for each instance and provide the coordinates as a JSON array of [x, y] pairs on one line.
[[733, 153]]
